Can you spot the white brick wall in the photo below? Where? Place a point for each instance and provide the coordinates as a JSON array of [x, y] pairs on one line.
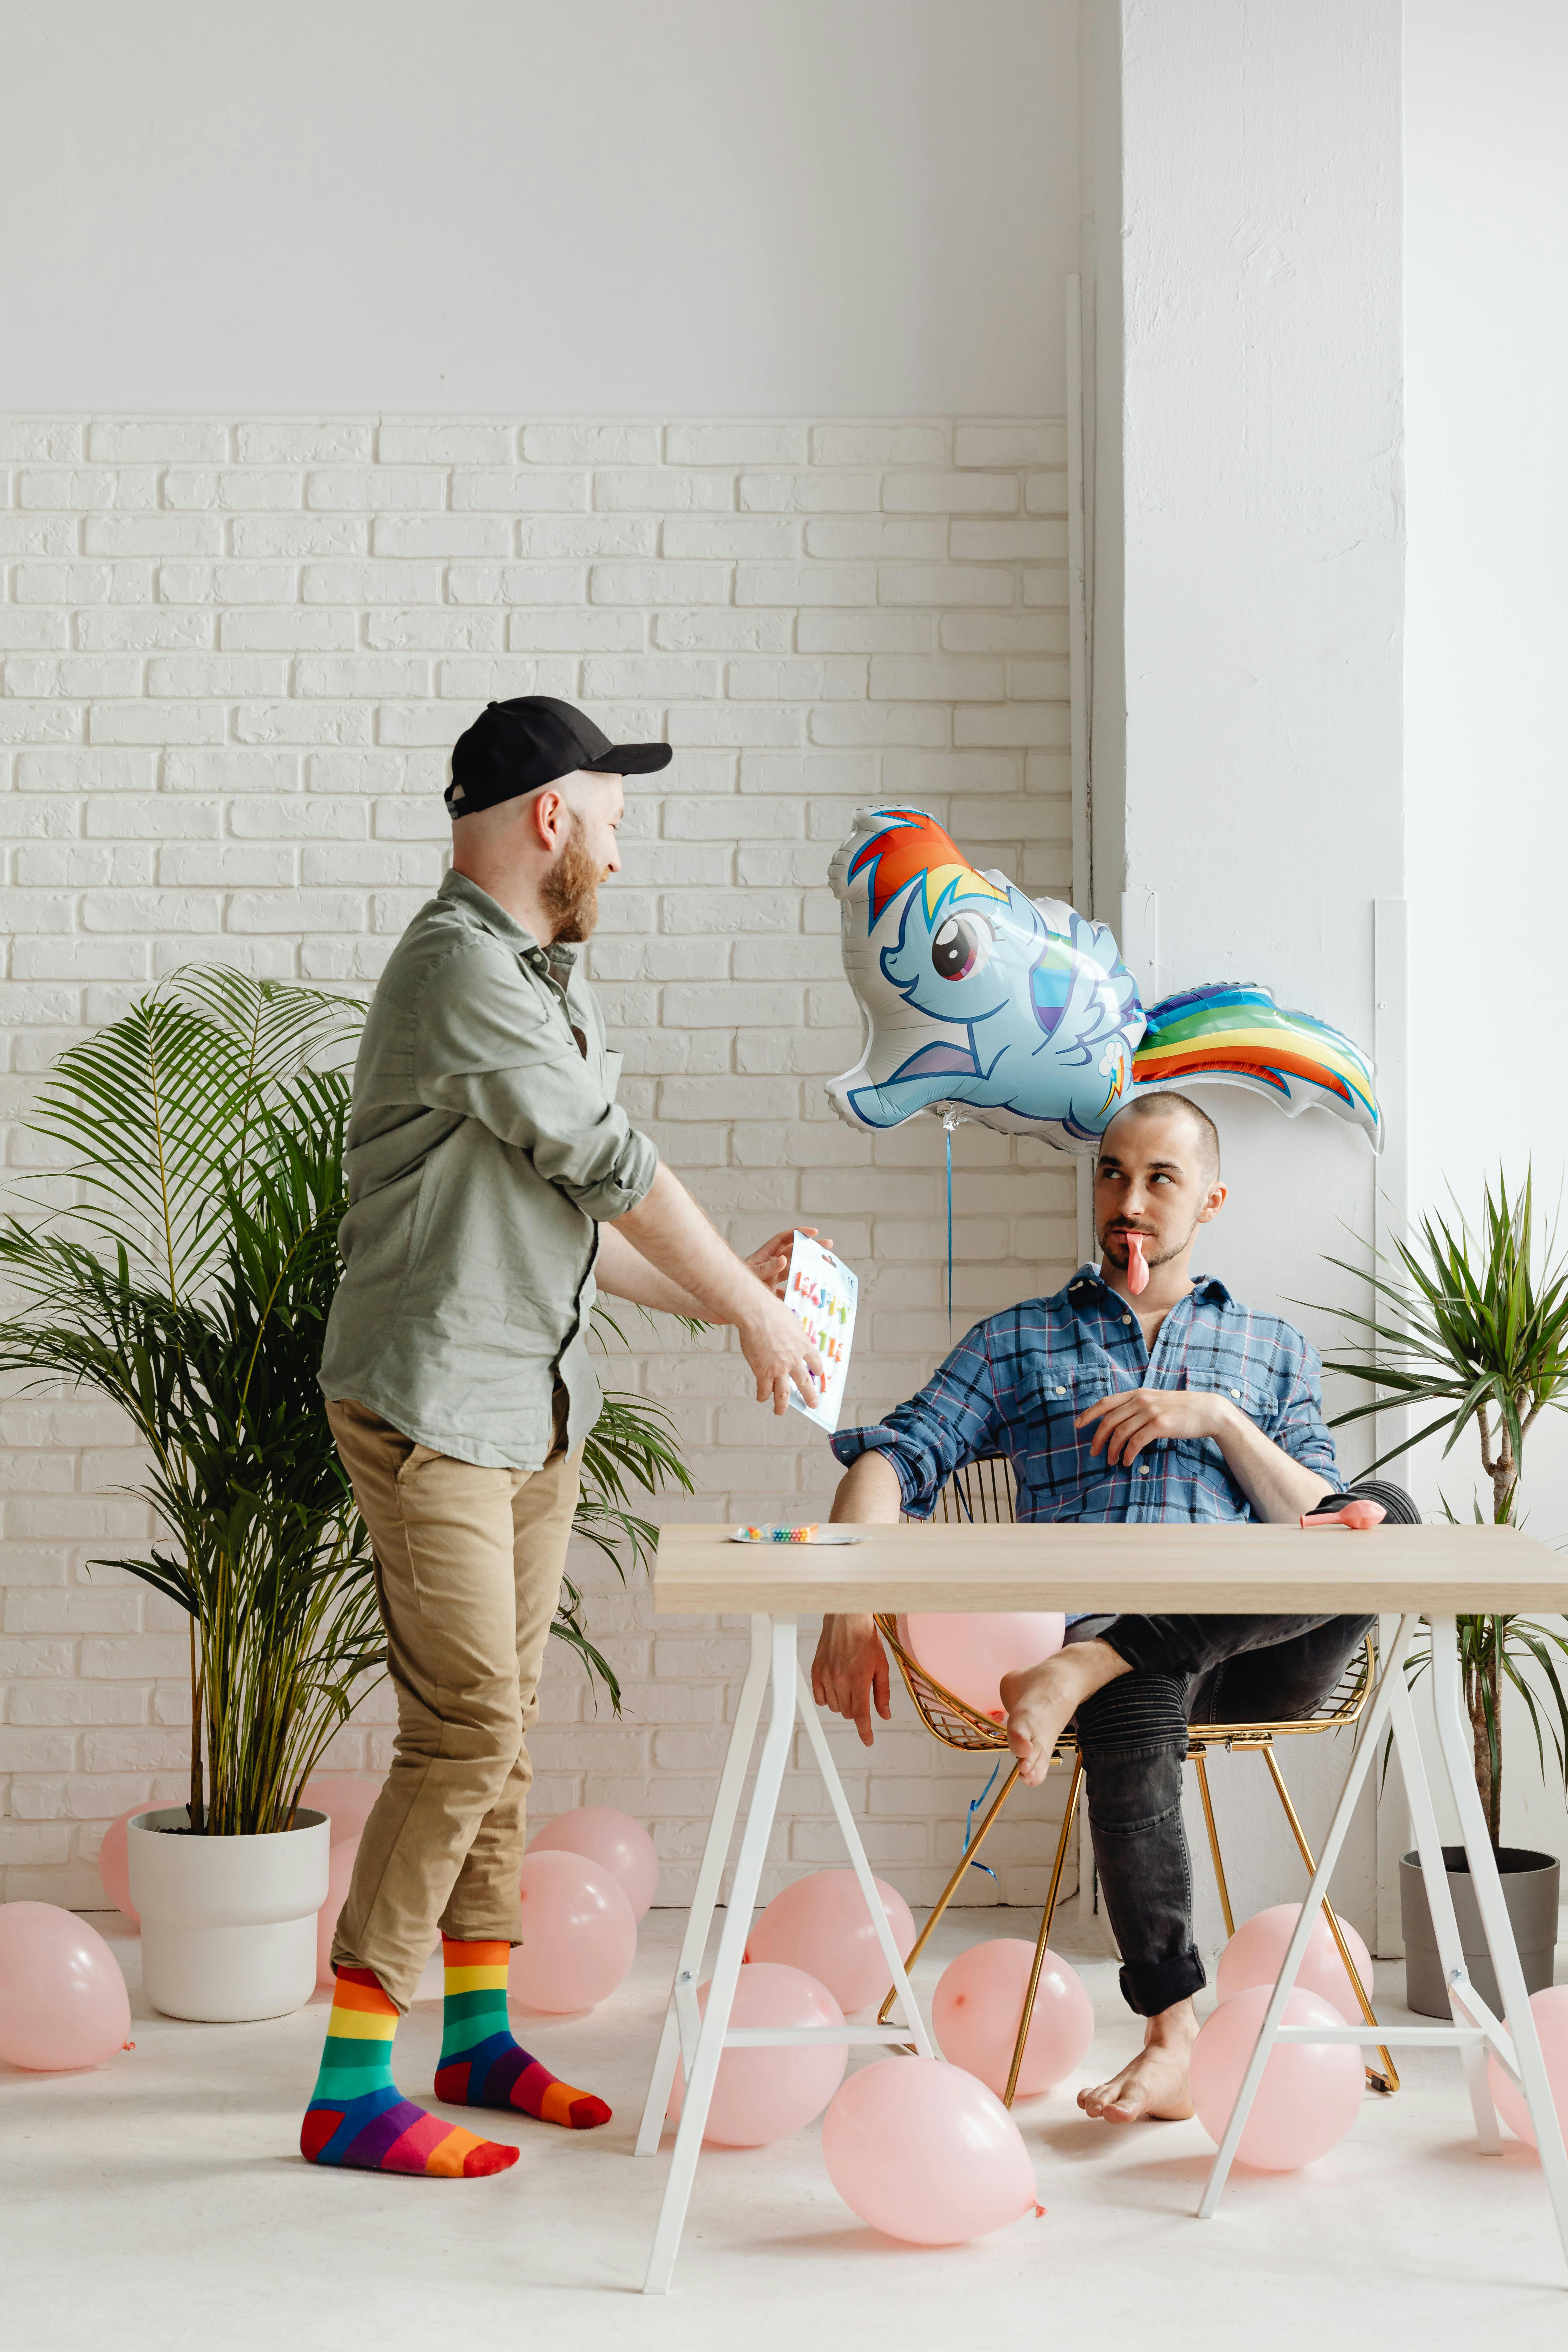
[[235, 654]]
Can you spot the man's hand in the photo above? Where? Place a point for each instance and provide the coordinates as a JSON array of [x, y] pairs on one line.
[[1134, 1418], [778, 1352], [771, 1263], [850, 1670]]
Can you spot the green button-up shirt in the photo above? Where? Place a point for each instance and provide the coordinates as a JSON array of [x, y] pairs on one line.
[[484, 1145]]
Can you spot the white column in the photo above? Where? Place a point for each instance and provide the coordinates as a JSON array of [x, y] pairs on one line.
[[1249, 309]]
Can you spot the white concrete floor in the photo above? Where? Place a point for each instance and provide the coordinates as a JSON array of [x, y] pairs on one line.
[[161, 2201]]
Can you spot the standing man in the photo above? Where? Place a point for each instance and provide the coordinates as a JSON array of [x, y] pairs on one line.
[[1172, 1401], [493, 1184]]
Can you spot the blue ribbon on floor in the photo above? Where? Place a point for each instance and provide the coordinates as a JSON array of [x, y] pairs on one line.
[[975, 1803]]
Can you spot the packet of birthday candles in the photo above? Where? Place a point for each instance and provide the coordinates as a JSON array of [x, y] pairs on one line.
[[820, 1293]]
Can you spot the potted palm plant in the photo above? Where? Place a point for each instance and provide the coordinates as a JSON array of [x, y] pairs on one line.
[[188, 1280], [1475, 1323]]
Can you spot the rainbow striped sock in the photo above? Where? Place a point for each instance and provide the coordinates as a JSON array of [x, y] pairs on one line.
[[480, 2066], [357, 2114]]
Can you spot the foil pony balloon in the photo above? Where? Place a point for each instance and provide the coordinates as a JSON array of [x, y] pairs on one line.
[[1020, 1012]]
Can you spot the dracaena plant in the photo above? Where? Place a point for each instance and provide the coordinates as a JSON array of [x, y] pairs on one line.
[[187, 1279], [1472, 1319]]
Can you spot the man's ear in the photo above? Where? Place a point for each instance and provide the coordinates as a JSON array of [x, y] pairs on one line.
[[1214, 1204], [548, 819]]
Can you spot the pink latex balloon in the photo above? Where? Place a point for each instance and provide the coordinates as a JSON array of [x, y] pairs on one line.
[[1549, 2009], [926, 2152], [339, 1870], [1253, 1955], [615, 1840], [1137, 1268], [979, 2001], [761, 2096], [970, 1653], [1311, 2093], [114, 1863], [579, 1937], [344, 1798], [821, 1925], [1359, 1514], [63, 2001]]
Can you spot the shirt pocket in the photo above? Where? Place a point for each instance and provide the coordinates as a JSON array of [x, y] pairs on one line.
[[610, 1067], [1058, 1462]]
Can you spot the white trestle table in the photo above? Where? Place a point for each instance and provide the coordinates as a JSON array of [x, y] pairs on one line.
[[1410, 1572]]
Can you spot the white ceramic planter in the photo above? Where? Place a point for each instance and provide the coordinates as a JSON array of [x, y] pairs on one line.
[[228, 1924]]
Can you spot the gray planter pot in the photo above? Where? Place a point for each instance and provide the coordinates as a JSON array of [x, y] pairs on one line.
[[1530, 1891]]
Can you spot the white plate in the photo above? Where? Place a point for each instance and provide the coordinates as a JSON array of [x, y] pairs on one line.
[[823, 1536]]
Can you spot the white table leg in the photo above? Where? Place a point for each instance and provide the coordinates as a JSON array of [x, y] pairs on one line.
[[1440, 1903], [1453, 1742], [862, 1868], [701, 2075], [1366, 1747], [715, 1853]]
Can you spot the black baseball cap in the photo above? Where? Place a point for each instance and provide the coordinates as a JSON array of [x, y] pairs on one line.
[[519, 747]]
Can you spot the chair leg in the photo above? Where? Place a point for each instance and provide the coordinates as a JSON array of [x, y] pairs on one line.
[[1201, 1760], [1388, 2081], [950, 1889], [1068, 1815]]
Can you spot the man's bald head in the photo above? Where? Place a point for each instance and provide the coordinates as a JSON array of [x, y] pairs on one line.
[[1204, 1132]]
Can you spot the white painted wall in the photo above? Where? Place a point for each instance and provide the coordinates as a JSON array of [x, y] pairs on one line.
[[728, 207], [1263, 548], [1487, 337]]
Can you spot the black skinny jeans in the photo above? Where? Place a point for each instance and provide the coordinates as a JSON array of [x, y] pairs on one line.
[[1132, 1737]]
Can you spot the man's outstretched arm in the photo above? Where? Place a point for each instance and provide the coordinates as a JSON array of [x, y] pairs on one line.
[[850, 1668], [668, 1228]]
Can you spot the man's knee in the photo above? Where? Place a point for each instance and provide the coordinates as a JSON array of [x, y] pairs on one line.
[[1399, 1504], [1132, 1737]]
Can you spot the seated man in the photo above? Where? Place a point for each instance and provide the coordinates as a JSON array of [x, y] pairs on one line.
[[1176, 1404]]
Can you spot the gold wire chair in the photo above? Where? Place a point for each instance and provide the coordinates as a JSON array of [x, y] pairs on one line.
[[983, 1493]]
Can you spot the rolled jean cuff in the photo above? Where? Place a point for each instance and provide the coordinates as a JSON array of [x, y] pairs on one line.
[[1142, 1642], [1150, 1986]]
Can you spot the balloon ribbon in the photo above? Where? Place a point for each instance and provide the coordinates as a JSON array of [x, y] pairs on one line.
[[975, 1803]]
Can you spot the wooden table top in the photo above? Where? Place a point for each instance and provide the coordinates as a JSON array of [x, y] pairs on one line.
[[1239, 1567]]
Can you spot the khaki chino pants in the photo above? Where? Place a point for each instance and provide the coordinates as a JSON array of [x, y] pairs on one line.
[[468, 1567]]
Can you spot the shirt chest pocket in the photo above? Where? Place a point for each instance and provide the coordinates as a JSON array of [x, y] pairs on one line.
[[610, 1065], [1059, 1455]]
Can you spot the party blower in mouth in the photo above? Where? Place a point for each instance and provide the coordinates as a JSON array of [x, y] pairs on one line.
[[1137, 1272]]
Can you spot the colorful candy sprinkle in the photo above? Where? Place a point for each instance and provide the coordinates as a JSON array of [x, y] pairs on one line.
[[779, 1535]]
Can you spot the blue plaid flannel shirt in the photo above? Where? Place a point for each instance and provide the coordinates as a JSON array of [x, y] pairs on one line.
[[1016, 1382]]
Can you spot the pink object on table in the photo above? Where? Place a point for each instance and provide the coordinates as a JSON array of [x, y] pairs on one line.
[[63, 2001], [339, 1870], [1549, 2009], [345, 1799], [615, 1840], [969, 1653], [1357, 1513], [761, 2096], [925, 2152], [1137, 1272], [114, 1863], [821, 1925], [579, 1937], [1253, 1955], [977, 2004], [1311, 2093]]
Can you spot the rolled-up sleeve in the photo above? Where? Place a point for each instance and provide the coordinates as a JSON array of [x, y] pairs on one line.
[[491, 1047], [952, 1419], [1300, 1431]]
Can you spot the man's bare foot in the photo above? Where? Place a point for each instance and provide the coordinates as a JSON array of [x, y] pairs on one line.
[[1042, 1700], [1154, 2087]]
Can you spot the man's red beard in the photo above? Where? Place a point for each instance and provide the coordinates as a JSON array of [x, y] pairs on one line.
[[570, 890]]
